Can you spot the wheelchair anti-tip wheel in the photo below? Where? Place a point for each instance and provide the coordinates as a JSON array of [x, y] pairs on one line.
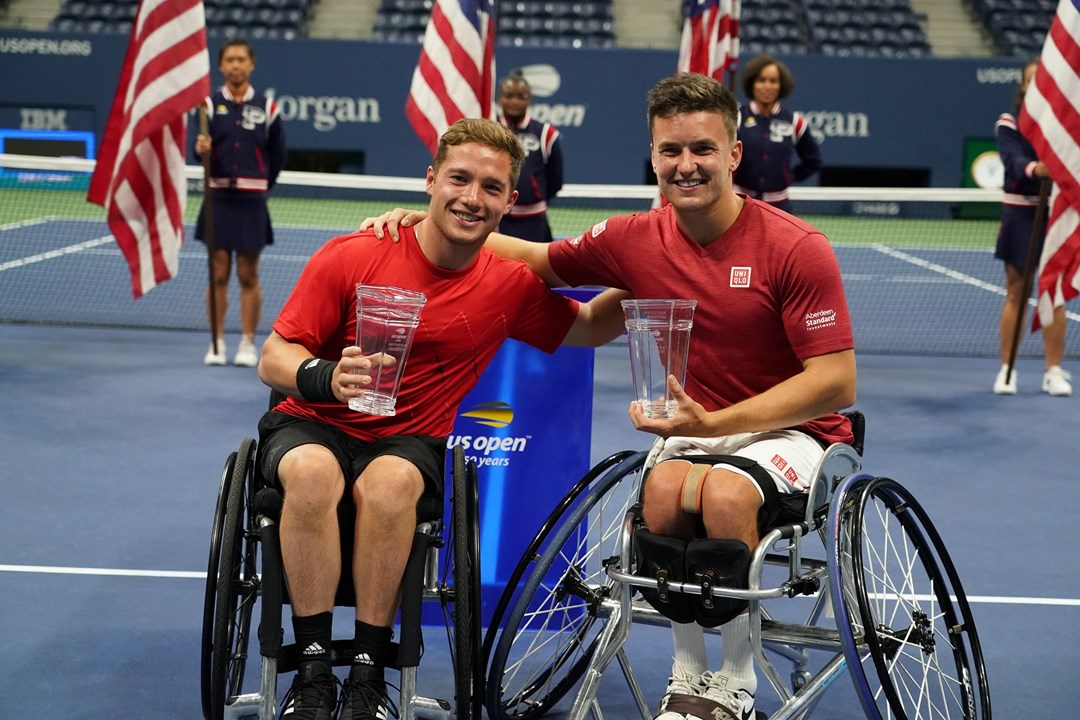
[[550, 633], [905, 624], [463, 565], [232, 585]]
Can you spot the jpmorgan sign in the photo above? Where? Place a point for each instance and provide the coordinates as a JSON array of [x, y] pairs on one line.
[[826, 124], [326, 112]]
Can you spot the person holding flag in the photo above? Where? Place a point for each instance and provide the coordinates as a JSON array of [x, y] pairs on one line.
[[1050, 120], [245, 142], [1024, 173]]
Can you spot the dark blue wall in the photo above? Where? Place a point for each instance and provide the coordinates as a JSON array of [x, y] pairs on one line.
[[350, 95]]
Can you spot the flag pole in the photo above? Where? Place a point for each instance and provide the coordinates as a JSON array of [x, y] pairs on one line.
[[1029, 270], [208, 231]]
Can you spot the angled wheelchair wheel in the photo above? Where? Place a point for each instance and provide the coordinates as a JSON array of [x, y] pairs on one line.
[[550, 633], [231, 586], [905, 623], [464, 562]]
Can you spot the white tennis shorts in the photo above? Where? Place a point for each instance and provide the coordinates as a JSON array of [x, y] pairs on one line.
[[789, 456]]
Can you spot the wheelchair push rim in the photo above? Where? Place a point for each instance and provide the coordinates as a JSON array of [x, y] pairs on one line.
[[905, 623], [464, 570]]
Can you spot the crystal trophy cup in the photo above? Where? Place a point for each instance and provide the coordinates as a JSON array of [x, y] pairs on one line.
[[386, 319], [659, 335]]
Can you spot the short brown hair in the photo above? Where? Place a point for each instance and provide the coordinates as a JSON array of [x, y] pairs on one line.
[[753, 69], [482, 132], [693, 92]]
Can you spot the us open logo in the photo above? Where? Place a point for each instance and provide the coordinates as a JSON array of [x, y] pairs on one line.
[[481, 448]]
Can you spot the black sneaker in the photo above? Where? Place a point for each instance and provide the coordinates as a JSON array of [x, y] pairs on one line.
[[313, 696], [364, 697]]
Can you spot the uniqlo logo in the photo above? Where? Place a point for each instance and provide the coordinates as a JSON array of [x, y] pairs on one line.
[[740, 277], [792, 476], [779, 462]]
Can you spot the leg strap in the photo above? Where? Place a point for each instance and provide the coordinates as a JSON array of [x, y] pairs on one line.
[[692, 486]]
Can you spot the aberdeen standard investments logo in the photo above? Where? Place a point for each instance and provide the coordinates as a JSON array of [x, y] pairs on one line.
[[488, 449]]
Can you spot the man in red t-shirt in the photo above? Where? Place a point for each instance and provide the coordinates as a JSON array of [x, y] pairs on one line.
[[773, 359], [314, 447]]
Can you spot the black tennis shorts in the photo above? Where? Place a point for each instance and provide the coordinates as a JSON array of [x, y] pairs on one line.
[[280, 432]]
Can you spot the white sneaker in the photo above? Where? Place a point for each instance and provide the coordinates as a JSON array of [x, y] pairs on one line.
[[683, 691], [1056, 381], [1003, 386], [245, 353], [728, 703], [216, 354]]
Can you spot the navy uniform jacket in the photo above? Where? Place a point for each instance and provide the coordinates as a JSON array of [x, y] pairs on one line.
[[1019, 159], [542, 173], [247, 139], [769, 144]]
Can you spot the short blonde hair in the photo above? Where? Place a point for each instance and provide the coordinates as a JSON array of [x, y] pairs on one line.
[[482, 132]]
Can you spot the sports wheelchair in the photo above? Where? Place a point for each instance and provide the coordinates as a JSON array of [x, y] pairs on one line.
[[245, 570], [885, 602]]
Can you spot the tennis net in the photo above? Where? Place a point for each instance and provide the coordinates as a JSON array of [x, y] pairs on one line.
[[917, 264]]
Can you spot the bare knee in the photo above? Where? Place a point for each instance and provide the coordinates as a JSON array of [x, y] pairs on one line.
[[247, 270], [730, 504], [662, 510], [312, 480], [389, 488]]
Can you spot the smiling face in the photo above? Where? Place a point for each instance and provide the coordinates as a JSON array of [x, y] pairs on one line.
[[470, 191], [694, 156]]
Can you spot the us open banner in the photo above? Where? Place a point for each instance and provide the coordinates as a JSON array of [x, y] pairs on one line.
[[528, 426]]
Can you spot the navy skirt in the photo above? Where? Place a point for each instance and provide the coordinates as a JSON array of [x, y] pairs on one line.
[[1015, 235], [241, 221]]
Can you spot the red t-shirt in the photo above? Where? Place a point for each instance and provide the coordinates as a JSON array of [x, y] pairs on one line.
[[769, 295], [468, 315]]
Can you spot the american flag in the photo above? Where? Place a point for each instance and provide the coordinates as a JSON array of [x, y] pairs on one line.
[[455, 75], [139, 177], [1050, 120], [710, 38]]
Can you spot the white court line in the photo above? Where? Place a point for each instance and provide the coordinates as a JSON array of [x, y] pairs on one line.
[[27, 223], [115, 572], [955, 275], [59, 252]]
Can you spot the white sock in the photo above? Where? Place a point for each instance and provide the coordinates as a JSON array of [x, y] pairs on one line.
[[738, 664], [690, 647]]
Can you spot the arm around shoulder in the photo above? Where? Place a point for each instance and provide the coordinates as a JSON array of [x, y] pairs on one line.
[[534, 254]]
